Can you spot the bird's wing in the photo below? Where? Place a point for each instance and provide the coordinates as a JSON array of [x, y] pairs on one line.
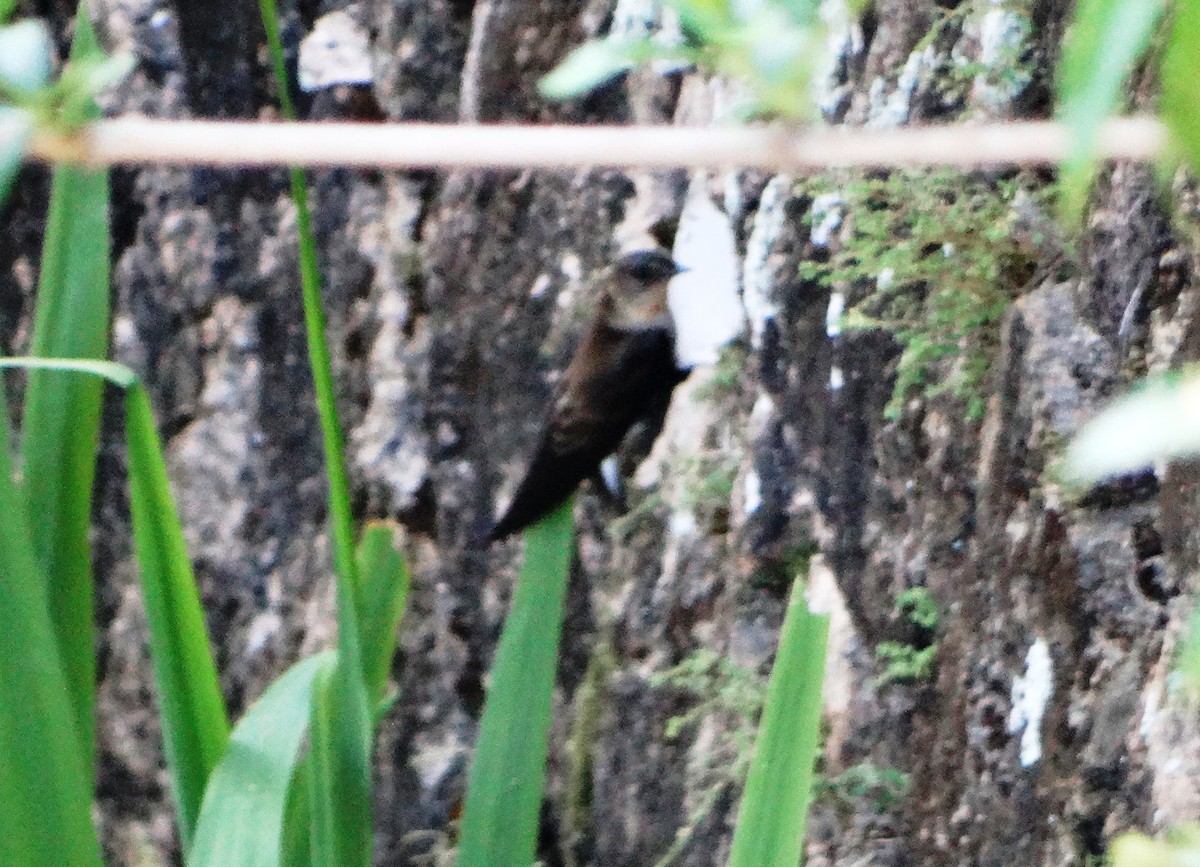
[[606, 389], [575, 424]]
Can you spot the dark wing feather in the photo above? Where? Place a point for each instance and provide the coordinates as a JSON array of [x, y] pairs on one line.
[[612, 381]]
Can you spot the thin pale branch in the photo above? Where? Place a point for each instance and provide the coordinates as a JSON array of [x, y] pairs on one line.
[[140, 140]]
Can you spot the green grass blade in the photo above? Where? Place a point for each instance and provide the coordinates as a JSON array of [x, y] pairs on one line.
[[504, 797], [770, 824], [195, 726], [241, 822], [381, 600], [45, 819], [1181, 85], [61, 421], [338, 774], [1105, 40], [332, 438]]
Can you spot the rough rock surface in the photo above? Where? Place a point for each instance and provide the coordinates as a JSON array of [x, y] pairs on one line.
[[1050, 722]]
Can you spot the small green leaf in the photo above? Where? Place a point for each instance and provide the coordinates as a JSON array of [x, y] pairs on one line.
[[241, 822], [15, 128], [88, 72], [381, 599], [1159, 421], [706, 21], [593, 63], [1181, 85], [1105, 40], [25, 57], [6, 9]]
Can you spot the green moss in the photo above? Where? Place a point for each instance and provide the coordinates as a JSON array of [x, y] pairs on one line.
[[589, 705], [735, 695], [909, 663], [779, 574], [880, 788], [934, 258], [642, 515], [919, 607], [707, 489], [904, 663], [727, 375]]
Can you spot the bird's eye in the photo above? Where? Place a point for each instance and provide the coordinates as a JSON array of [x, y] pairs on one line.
[[645, 272]]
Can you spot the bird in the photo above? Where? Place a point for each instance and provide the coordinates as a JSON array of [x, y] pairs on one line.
[[623, 368]]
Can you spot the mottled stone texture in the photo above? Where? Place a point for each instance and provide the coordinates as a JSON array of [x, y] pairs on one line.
[[452, 301]]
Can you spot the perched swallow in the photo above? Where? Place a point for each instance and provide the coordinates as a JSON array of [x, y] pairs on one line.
[[625, 365]]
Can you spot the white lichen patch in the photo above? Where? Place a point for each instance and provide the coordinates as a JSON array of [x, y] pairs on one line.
[[826, 218], [751, 493], [434, 760], [758, 279], [1031, 694], [337, 51], [843, 39], [834, 313], [1003, 36], [704, 299], [891, 109]]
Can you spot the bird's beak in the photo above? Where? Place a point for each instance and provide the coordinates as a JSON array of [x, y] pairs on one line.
[[681, 269]]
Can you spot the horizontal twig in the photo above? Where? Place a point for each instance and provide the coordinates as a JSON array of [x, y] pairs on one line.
[[139, 141]]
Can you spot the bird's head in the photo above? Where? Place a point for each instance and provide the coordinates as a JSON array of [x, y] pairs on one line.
[[637, 287]]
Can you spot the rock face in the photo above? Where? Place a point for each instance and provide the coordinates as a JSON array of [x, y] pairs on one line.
[[1047, 723]]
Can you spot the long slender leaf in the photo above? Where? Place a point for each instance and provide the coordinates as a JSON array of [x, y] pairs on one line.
[[1105, 40], [504, 796], [62, 413], [338, 774], [195, 726], [45, 819], [332, 438], [1181, 84], [241, 822], [770, 825]]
